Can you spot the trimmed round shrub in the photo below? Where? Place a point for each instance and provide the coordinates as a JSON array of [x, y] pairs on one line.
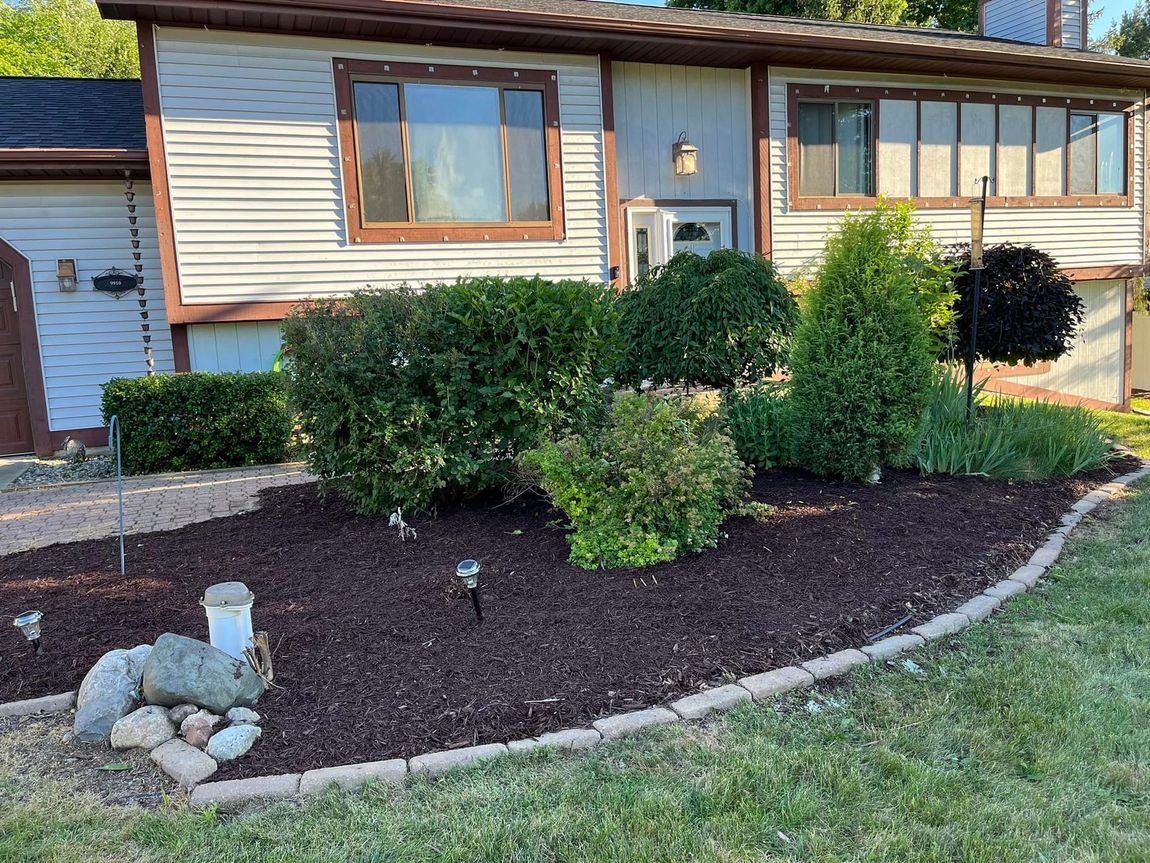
[[410, 398], [714, 321], [863, 358], [1028, 311], [652, 485]]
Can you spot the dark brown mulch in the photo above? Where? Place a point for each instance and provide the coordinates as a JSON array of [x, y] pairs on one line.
[[378, 659]]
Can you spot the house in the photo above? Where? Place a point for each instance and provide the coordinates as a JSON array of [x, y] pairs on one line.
[[304, 148]]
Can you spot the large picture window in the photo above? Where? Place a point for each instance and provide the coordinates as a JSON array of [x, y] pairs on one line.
[[434, 153], [850, 144]]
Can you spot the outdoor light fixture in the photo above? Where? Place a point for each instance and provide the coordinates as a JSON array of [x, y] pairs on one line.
[[977, 265], [686, 156], [468, 572], [66, 274], [29, 624]]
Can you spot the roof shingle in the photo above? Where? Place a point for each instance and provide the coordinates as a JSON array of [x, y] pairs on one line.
[[71, 113]]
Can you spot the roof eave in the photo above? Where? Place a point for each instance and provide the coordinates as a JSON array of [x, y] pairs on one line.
[[630, 39], [69, 163]]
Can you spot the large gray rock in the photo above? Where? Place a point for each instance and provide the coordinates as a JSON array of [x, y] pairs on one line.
[[185, 671], [231, 743], [110, 690], [145, 728]]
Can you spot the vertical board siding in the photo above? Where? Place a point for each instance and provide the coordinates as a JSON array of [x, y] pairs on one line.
[[240, 347], [1020, 20], [654, 103], [1141, 369], [85, 337], [1094, 368], [254, 171], [1074, 236]]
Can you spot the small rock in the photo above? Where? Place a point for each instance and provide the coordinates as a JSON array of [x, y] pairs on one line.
[[232, 743], [184, 763], [109, 691], [145, 728], [181, 712], [183, 670], [243, 716], [198, 728]]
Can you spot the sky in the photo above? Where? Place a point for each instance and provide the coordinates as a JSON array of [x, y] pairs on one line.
[[1111, 11]]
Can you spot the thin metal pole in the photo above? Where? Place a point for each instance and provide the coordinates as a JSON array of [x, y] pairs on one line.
[[972, 351], [474, 591], [114, 442]]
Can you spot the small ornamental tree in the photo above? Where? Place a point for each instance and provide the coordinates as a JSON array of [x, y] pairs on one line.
[[863, 359], [1028, 311], [714, 321]]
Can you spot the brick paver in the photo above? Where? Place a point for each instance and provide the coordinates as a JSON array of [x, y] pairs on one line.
[[35, 517]]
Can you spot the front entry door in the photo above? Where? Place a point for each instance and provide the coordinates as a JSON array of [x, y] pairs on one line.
[[15, 418], [654, 234]]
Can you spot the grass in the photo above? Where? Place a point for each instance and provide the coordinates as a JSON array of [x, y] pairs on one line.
[[1025, 739]]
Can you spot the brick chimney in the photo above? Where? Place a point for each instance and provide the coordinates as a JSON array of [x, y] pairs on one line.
[[1059, 23]]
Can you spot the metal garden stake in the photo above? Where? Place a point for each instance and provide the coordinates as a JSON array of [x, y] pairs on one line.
[[977, 265]]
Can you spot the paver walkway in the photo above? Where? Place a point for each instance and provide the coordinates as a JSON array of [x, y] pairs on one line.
[[35, 517]]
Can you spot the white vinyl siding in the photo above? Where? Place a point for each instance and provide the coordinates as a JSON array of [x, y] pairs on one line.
[[1020, 20], [1094, 368], [240, 347], [254, 171], [85, 337], [653, 104], [1075, 236], [1071, 11]]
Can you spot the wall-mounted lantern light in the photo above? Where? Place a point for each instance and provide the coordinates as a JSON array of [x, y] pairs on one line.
[[66, 275], [468, 572], [686, 156], [29, 624]]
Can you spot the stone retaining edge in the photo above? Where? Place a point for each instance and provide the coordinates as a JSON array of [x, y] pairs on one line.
[[758, 687]]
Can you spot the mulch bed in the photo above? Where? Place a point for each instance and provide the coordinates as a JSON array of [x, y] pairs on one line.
[[378, 657]]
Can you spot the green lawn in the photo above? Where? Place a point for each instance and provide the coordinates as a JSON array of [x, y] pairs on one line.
[[1026, 739]]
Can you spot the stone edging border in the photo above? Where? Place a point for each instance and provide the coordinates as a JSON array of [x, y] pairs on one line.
[[232, 793], [12, 488]]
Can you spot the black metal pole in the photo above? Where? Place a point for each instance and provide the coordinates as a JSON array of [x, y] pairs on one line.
[[474, 594], [971, 355]]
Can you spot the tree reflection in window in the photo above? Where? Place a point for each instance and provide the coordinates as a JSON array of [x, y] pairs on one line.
[[692, 232]]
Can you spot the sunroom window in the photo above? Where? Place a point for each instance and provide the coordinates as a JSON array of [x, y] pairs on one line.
[[836, 149], [1097, 154]]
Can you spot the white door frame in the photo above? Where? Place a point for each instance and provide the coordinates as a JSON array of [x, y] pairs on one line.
[[660, 218]]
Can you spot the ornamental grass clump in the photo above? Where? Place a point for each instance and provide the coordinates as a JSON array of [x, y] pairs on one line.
[[1007, 438], [715, 321], [412, 398], [760, 422], [653, 484], [863, 357]]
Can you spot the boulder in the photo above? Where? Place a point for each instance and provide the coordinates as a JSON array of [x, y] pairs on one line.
[[231, 743], [109, 691], [183, 670], [145, 728], [243, 716], [198, 728]]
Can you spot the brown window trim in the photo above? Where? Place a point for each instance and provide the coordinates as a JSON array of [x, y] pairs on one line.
[[831, 100], [816, 92], [346, 71]]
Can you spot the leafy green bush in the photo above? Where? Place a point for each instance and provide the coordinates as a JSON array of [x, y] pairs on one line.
[[199, 420], [713, 321], [863, 355], [1008, 438], [761, 424], [408, 398], [652, 485], [1028, 311]]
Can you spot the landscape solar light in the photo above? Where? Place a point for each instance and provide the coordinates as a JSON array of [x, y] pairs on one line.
[[29, 624], [468, 572]]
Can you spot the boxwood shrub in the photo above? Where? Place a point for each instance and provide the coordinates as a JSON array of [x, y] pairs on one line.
[[199, 420], [411, 398]]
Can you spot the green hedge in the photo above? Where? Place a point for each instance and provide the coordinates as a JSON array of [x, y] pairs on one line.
[[199, 420]]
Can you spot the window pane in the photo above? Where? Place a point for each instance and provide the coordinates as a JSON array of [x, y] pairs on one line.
[[816, 148], [702, 238], [456, 149], [854, 148], [1083, 154], [1111, 154], [643, 251], [384, 181], [527, 155]]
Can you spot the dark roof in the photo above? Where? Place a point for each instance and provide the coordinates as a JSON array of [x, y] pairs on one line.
[[71, 113]]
